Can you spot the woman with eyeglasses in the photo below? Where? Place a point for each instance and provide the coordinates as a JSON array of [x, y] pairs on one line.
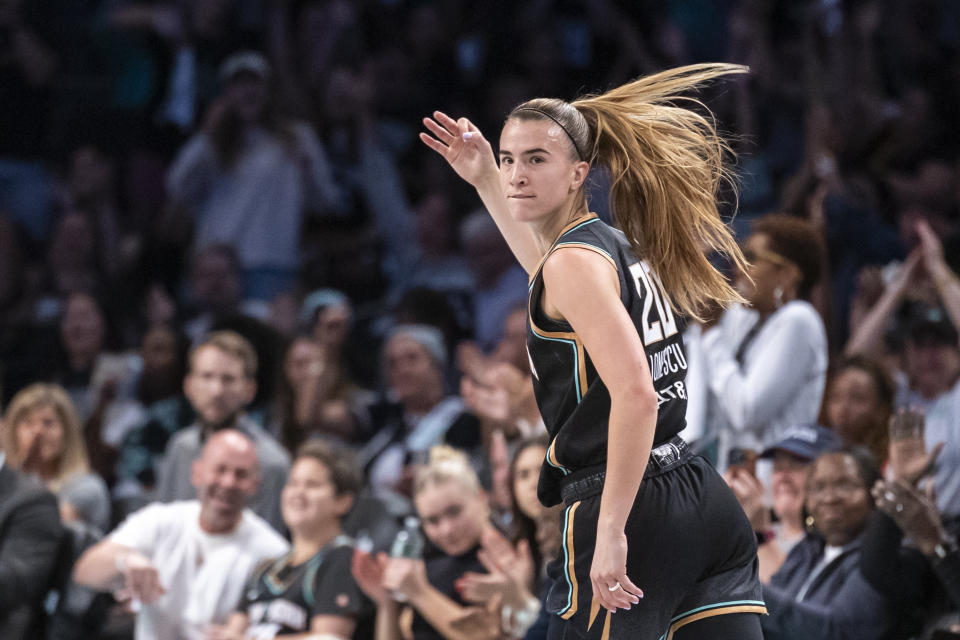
[[766, 363], [819, 591]]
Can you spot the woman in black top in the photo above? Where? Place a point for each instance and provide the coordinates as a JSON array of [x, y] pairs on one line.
[[606, 353]]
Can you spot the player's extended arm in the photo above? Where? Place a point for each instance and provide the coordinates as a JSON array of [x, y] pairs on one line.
[[462, 145]]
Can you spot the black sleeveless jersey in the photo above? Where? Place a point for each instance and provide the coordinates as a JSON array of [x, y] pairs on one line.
[[281, 598], [573, 400]]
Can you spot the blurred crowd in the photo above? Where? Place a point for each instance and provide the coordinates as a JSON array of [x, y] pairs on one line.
[[262, 357]]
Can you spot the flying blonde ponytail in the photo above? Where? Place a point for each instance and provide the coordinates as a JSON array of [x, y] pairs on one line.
[[666, 164]]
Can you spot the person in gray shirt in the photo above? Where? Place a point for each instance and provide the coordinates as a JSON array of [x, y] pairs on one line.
[[219, 385]]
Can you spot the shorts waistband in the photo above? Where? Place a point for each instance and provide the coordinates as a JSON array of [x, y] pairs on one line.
[[588, 482]]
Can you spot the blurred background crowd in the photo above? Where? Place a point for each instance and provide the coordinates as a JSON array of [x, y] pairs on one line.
[[221, 244]]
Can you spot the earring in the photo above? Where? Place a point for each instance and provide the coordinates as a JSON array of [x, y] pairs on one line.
[[809, 523], [778, 296]]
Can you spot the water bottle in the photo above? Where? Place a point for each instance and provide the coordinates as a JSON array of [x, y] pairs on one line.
[[407, 544]]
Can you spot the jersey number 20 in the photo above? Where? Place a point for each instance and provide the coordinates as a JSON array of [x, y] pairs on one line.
[[651, 291]]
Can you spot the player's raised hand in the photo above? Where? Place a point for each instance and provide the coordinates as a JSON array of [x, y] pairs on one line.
[[462, 145]]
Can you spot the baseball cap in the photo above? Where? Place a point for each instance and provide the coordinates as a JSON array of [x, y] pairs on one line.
[[931, 326], [805, 441], [244, 62]]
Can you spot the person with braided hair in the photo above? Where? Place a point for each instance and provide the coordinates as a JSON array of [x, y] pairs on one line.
[[651, 533]]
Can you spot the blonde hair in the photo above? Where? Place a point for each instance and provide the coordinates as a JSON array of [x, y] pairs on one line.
[[666, 164], [446, 464], [232, 344], [74, 458]]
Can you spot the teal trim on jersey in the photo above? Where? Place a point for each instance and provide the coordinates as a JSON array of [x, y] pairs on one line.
[[566, 563], [717, 605], [309, 576], [576, 359], [587, 244], [582, 224]]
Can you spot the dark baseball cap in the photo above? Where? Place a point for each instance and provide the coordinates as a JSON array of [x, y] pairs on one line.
[[928, 325], [805, 441]]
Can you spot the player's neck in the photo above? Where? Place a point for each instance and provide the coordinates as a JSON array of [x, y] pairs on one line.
[[306, 543], [548, 229]]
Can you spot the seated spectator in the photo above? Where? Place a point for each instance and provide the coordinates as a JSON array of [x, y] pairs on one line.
[[419, 413], [43, 437], [455, 517], [215, 291], [315, 398], [910, 552], [819, 591], [219, 385], [500, 283], [87, 363], [766, 366], [184, 564], [310, 589], [157, 411], [858, 404], [792, 457], [30, 536], [517, 572]]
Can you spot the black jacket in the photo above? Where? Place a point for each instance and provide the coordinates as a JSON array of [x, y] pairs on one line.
[[30, 536], [838, 605]]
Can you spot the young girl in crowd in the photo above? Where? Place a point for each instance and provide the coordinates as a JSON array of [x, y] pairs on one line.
[[606, 352], [309, 590]]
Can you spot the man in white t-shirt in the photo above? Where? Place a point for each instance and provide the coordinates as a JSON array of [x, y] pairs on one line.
[[184, 564]]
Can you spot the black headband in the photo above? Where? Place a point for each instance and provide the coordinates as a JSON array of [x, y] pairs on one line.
[[544, 113]]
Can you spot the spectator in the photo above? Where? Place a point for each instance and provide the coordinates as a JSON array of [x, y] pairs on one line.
[[219, 385], [30, 536], [414, 360], [766, 366], [87, 363], [499, 281], [215, 291], [158, 410], [310, 589], [43, 437], [455, 515], [315, 399], [791, 457], [250, 176], [909, 552], [819, 591], [518, 572], [184, 564], [922, 583], [858, 404], [931, 358], [328, 315]]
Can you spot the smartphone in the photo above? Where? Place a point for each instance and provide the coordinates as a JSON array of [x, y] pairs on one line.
[[745, 459]]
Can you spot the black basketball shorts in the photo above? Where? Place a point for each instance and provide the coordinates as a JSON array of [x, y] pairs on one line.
[[690, 548]]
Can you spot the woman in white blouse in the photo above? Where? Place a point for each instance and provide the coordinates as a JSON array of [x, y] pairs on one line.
[[765, 366]]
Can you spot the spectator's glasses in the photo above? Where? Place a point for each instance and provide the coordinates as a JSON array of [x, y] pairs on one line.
[[844, 489], [752, 255]]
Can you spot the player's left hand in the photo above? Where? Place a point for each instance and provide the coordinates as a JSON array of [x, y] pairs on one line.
[[608, 573]]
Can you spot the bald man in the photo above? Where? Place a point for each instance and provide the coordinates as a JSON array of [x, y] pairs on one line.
[[184, 564]]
